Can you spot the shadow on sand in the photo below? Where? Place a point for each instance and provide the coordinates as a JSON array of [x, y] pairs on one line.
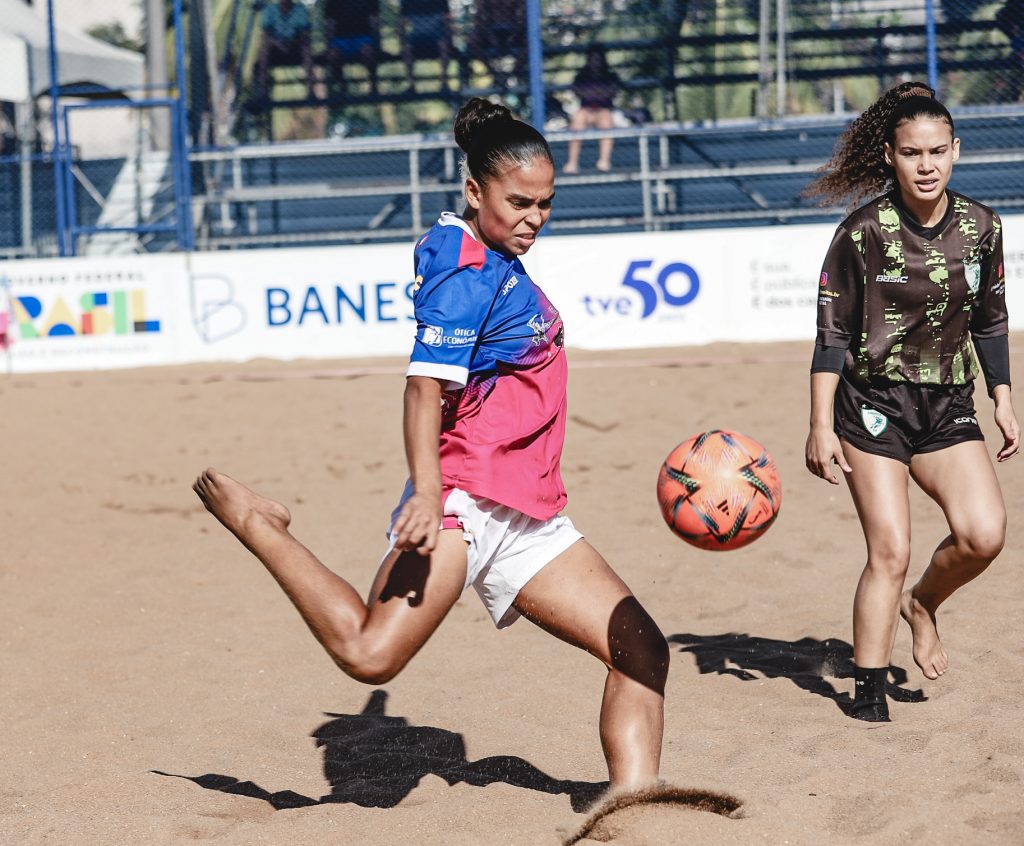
[[373, 760], [805, 662]]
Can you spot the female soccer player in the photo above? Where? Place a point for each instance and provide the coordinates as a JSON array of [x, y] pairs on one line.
[[485, 410], [909, 281]]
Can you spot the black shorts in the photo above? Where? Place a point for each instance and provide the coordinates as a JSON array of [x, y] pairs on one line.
[[900, 421]]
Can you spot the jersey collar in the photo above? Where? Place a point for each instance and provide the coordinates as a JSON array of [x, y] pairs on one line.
[[912, 223], [451, 219]]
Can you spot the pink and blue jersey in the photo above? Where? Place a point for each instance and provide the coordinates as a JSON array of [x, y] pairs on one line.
[[487, 331]]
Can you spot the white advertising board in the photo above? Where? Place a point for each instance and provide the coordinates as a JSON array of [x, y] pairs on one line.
[[1013, 256], [84, 314], [614, 292], [680, 288], [299, 303]]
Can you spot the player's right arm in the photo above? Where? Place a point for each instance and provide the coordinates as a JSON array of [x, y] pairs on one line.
[[838, 319], [823, 445], [417, 525], [452, 298]]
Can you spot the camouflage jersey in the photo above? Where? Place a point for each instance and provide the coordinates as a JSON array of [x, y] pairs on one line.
[[902, 298]]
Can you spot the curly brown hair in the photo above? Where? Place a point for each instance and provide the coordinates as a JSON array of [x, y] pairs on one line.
[[858, 168]]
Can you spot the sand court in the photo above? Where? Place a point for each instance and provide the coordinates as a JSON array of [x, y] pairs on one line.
[[157, 686]]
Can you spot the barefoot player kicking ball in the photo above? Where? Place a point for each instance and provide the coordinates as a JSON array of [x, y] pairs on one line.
[[910, 280], [485, 411]]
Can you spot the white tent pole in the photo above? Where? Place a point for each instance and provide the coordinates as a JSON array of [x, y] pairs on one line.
[[23, 121]]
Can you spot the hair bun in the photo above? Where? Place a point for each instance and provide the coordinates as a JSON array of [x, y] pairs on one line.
[[914, 89], [475, 117]]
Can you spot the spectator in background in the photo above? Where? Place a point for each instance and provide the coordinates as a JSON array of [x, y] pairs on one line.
[[284, 42], [499, 31], [352, 31], [595, 85], [424, 30]]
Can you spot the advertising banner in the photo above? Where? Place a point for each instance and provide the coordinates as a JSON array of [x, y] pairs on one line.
[[681, 288], [614, 292], [332, 302], [91, 313]]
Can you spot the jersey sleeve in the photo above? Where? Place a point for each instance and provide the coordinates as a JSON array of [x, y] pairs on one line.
[[842, 279], [451, 304], [989, 317]]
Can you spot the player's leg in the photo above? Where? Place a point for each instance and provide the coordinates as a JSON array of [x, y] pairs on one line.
[[305, 49], [962, 481], [405, 37], [879, 486], [581, 119], [604, 119], [369, 641], [368, 56], [577, 597], [262, 69]]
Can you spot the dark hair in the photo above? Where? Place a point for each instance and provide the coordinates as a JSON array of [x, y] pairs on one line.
[[493, 140], [858, 168], [598, 51]]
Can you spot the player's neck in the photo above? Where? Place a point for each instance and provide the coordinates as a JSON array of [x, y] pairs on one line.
[[927, 213]]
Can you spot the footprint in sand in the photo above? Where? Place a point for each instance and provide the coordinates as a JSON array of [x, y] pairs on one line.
[[656, 815]]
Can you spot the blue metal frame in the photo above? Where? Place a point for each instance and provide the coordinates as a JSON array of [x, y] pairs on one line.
[[536, 54], [59, 147], [180, 161], [182, 196], [64, 184], [931, 46]]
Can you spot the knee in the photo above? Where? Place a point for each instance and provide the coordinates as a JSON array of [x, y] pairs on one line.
[[890, 556], [367, 663], [983, 542], [640, 652]]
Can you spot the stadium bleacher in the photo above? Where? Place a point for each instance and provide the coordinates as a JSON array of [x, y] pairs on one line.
[[743, 160]]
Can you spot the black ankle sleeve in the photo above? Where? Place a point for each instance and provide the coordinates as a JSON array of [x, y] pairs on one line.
[[869, 701]]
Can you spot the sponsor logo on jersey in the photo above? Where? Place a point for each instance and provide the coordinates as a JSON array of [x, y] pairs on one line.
[[432, 336], [874, 421], [823, 281], [971, 420], [891, 278], [972, 271], [508, 286], [460, 337], [417, 282]]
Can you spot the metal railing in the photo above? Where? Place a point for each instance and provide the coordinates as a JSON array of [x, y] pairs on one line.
[[242, 207]]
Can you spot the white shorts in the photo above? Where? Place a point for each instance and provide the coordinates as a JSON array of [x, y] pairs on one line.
[[506, 548]]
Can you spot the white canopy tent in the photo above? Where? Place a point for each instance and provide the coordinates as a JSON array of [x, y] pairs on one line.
[[25, 40]]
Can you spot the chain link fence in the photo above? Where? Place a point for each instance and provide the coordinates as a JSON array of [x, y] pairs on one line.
[[329, 121]]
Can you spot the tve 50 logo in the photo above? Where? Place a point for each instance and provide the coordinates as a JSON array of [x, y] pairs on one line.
[[675, 284]]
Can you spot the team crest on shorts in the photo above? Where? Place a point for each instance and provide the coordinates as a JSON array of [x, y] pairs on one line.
[[874, 421]]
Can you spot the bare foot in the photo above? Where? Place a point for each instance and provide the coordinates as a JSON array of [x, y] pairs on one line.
[[243, 513], [604, 166], [571, 168], [928, 652]]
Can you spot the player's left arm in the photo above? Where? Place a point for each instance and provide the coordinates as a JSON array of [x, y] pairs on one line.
[[989, 332], [1006, 420]]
